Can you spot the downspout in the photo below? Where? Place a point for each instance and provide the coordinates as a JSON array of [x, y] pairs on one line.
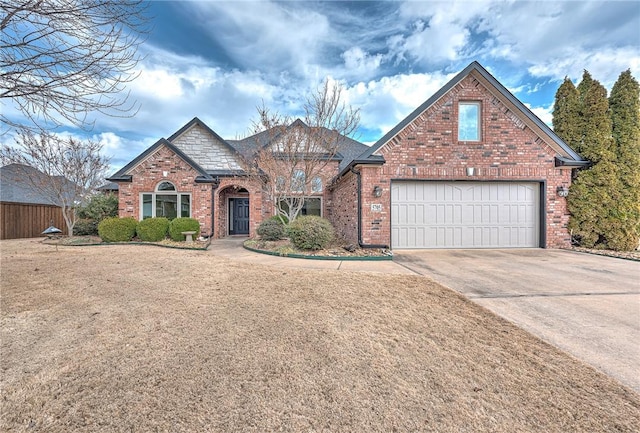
[[359, 201], [214, 187]]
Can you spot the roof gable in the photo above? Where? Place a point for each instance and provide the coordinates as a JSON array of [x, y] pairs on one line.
[[205, 147], [124, 174], [497, 89]]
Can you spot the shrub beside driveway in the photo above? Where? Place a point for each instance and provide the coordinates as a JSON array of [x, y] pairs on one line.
[[122, 337]]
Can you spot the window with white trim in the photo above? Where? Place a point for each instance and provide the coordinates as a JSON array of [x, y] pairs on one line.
[[316, 184], [469, 121], [298, 181], [166, 202], [311, 206]]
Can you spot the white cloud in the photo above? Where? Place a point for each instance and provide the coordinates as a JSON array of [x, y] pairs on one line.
[[605, 65], [436, 32], [556, 39], [387, 101], [544, 113], [359, 62]]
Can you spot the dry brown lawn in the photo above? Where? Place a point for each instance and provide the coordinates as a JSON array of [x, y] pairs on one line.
[[140, 338]]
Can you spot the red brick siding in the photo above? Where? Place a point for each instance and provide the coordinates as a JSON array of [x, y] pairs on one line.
[[344, 210], [428, 149], [149, 173]]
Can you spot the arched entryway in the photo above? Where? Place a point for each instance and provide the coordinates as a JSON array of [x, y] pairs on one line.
[[234, 215]]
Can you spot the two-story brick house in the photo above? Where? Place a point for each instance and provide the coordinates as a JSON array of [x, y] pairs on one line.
[[472, 167]]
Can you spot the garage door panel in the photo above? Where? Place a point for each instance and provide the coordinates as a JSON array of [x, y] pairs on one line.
[[464, 214]]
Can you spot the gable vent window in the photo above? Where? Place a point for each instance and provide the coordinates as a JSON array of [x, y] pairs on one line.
[[469, 121], [166, 202]]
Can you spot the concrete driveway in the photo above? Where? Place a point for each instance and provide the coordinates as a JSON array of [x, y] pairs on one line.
[[585, 304]]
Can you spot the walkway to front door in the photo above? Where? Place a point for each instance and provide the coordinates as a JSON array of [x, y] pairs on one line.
[[239, 216]]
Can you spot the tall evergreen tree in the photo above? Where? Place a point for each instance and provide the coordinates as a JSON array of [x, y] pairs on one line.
[[595, 199], [566, 115], [624, 106], [597, 142]]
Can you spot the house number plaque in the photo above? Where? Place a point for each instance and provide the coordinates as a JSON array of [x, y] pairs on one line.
[[376, 207]]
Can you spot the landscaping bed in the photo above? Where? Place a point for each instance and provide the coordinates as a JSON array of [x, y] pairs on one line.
[[629, 255], [336, 250], [197, 244]]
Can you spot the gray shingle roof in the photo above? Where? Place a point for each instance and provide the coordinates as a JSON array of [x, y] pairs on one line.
[[246, 148], [347, 148], [15, 185]]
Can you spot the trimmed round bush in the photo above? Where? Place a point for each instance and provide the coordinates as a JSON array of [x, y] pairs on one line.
[[179, 225], [117, 229], [310, 232], [85, 227], [271, 230], [153, 229]]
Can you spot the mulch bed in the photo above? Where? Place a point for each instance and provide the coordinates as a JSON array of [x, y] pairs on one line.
[[336, 249], [629, 255], [197, 244]]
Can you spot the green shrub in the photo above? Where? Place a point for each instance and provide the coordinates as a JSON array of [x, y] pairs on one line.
[[282, 219], [179, 225], [153, 229], [85, 227], [271, 229], [310, 232], [117, 229], [99, 207]]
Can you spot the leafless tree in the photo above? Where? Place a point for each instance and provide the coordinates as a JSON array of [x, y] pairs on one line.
[[60, 60], [63, 169], [293, 164]]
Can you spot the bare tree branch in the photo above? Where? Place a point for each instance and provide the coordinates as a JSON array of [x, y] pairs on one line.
[[63, 59], [64, 170], [300, 157]]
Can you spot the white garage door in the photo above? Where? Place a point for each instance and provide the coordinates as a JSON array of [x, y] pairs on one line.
[[464, 214]]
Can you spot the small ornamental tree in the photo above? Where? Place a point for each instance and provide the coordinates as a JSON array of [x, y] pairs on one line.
[[63, 169], [291, 163]]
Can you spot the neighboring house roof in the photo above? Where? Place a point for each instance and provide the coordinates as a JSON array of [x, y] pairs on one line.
[[123, 175], [16, 186], [566, 154], [111, 186]]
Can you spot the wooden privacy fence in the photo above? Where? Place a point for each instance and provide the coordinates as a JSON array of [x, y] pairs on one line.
[[19, 220]]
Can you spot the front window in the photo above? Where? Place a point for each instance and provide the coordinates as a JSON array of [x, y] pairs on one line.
[[469, 121], [312, 206], [165, 202], [298, 181], [316, 184]]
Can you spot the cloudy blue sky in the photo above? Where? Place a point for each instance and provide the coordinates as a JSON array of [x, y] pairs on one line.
[[218, 60]]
